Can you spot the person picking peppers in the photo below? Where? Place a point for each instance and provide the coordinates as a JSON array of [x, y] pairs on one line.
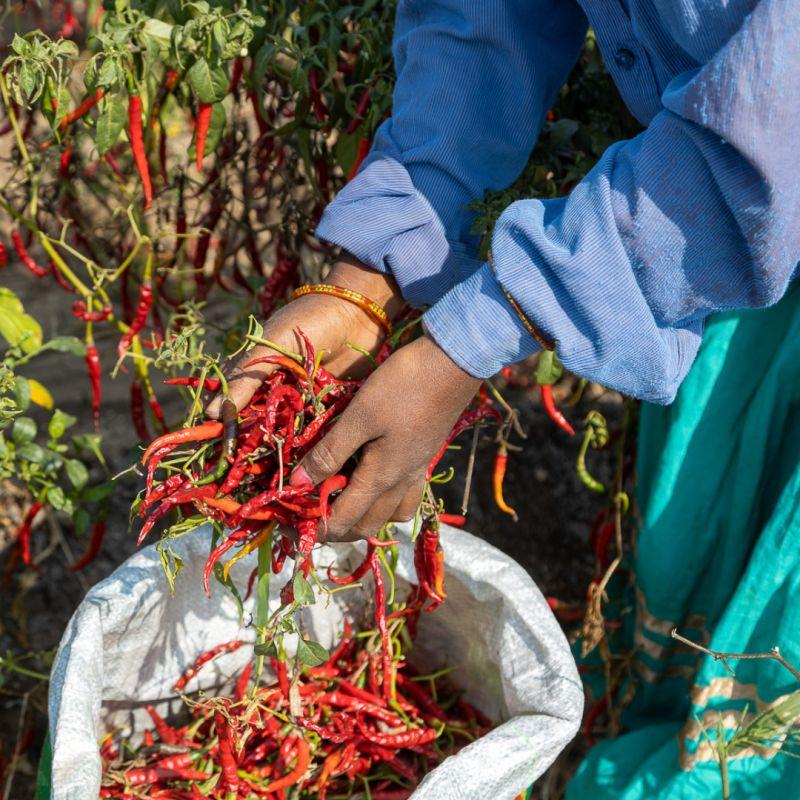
[[669, 238]]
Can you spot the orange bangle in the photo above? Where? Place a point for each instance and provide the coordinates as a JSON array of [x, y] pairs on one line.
[[375, 312], [520, 313]]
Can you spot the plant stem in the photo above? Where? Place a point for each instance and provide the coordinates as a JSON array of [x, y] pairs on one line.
[[262, 600], [723, 771]]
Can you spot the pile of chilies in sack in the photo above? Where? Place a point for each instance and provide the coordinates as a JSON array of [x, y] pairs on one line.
[[360, 725]]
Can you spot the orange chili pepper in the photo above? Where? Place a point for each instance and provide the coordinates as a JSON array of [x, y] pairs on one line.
[[500, 464]]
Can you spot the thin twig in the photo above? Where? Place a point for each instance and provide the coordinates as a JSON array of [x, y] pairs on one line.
[[772, 655], [470, 469], [15, 753]]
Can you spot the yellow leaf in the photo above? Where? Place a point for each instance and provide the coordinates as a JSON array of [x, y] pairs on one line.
[[40, 395]]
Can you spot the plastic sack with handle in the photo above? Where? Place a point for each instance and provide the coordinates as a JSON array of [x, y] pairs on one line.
[[129, 640]]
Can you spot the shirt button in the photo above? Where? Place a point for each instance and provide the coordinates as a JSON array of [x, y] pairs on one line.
[[624, 58]]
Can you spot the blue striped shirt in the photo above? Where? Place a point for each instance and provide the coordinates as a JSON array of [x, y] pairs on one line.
[[698, 213]]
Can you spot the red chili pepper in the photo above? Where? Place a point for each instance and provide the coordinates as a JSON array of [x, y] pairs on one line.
[[209, 655], [143, 305], [93, 368], [137, 411], [209, 223], [60, 279], [90, 102], [25, 257], [230, 774], [24, 535], [549, 403], [80, 311], [380, 622], [165, 731], [292, 777], [454, 520], [203, 121], [318, 106], [95, 543], [500, 464], [326, 489], [3, 256], [363, 151], [209, 384], [210, 429], [63, 162], [136, 137], [361, 109], [236, 537], [593, 713], [236, 75]]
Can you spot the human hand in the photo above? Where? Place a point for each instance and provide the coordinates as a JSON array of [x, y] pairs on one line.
[[330, 324], [400, 417]]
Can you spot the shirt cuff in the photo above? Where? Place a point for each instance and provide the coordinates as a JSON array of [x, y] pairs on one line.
[[476, 326], [382, 220]]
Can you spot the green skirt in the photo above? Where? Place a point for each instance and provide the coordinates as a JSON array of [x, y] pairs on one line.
[[718, 558]]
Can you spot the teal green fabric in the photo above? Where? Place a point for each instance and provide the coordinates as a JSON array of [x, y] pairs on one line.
[[718, 557]]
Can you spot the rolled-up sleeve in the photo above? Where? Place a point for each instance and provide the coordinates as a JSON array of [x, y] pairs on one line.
[[474, 80], [697, 214]]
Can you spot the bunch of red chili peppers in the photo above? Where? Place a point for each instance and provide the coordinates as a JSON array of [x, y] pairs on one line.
[[346, 735], [328, 727]]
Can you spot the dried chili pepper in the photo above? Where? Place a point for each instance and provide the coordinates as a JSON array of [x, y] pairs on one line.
[[136, 137], [498, 476], [549, 403], [25, 257], [201, 131], [95, 543]]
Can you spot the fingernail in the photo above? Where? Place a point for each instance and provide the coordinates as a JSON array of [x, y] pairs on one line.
[[299, 477]]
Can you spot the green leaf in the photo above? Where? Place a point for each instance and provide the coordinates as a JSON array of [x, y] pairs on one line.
[[66, 344], [346, 149], [110, 123], [91, 442], [268, 649], [56, 498], [549, 369], [80, 519], [303, 593], [59, 422], [16, 327], [108, 73], [27, 80], [64, 101], [210, 85], [32, 452], [77, 473], [22, 390], [98, 493], [18, 44], [24, 431], [312, 654]]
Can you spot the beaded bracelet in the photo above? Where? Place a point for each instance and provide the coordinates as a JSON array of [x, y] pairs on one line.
[[520, 313], [375, 312]]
